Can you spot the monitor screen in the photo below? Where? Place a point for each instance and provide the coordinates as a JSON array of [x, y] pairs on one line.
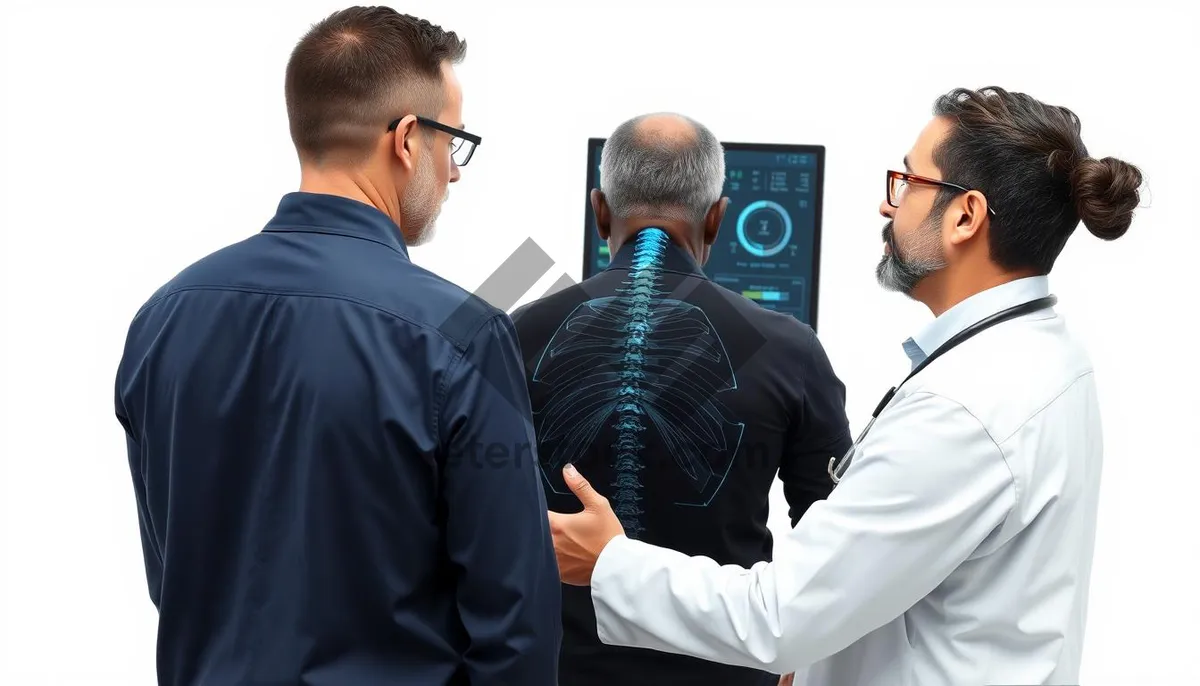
[[768, 246]]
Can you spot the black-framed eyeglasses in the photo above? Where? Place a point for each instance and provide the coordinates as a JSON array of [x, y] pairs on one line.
[[897, 181], [462, 143]]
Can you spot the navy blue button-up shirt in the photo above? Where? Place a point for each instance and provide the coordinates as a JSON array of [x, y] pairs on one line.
[[335, 467]]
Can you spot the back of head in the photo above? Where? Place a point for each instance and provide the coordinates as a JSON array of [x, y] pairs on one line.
[[662, 166], [1029, 161], [358, 70]]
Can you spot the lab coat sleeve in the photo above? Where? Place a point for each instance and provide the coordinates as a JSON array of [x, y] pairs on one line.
[[928, 486]]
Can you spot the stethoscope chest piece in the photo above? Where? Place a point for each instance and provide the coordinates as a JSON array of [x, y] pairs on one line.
[[837, 467]]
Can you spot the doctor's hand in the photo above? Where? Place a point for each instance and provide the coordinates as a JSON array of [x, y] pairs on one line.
[[579, 538]]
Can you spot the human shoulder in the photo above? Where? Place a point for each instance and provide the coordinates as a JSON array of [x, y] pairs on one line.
[[204, 273], [560, 302], [926, 432], [454, 312], [1009, 374]]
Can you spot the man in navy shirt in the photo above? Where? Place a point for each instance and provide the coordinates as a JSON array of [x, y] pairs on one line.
[[313, 420]]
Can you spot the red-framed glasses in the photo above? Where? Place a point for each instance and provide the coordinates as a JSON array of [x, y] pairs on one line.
[[898, 181]]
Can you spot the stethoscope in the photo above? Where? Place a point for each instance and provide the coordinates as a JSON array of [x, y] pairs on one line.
[[836, 469]]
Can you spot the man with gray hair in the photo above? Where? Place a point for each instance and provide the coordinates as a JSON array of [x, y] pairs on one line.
[[679, 398]]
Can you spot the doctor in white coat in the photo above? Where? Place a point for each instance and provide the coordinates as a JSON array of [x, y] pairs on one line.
[[957, 546]]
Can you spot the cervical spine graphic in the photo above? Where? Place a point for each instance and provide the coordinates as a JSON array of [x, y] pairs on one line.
[[640, 290]]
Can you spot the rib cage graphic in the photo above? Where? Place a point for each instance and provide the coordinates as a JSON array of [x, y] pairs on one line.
[[641, 362]]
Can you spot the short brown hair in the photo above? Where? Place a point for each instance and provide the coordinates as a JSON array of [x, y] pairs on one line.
[[1028, 159], [359, 69]]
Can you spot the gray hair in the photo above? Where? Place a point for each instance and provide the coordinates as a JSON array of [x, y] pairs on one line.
[[647, 172]]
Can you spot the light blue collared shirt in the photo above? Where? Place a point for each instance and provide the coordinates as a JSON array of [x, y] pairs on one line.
[[973, 309]]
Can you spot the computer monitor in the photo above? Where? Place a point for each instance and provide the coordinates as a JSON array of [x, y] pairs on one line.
[[768, 247]]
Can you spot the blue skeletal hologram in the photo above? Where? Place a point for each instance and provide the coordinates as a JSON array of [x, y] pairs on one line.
[[639, 361]]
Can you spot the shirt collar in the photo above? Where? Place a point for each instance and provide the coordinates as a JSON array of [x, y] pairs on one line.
[[302, 212], [971, 310], [674, 258]]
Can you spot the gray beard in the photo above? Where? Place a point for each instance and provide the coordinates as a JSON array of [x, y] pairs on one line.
[[895, 273]]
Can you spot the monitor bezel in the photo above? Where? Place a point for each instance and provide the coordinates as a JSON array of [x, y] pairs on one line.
[[590, 238]]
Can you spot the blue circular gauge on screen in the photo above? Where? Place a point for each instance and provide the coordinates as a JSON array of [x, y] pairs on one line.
[[764, 228]]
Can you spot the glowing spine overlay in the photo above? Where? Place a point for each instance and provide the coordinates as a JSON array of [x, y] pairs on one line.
[[651, 367], [640, 290]]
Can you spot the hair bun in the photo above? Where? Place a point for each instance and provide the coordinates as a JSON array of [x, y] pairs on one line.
[[1106, 193]]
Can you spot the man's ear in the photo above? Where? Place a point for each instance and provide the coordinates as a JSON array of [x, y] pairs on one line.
[[603, 216], [966, 217], [404, 143], [713, 219]]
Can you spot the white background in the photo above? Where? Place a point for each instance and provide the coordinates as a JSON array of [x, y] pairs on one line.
[[138, 138]]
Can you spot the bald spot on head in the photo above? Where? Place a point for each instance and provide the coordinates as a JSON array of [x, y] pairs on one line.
[[665, 130]]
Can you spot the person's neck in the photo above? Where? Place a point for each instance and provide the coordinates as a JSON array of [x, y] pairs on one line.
[[945, 289], [682, 234], [354, 185]]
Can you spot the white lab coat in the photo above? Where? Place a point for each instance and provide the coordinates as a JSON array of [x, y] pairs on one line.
[[956, 550]]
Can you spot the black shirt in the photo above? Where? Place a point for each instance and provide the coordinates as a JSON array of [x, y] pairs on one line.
[[303, 410], [679, 400]]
